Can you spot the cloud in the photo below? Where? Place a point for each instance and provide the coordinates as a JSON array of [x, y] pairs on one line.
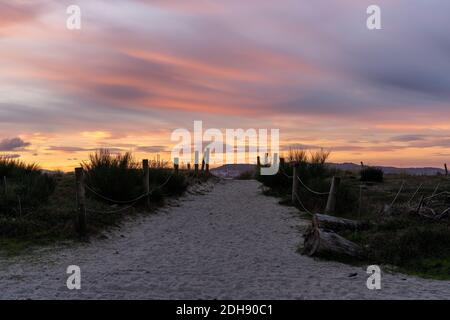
[[408, 138], [69, 149], [10, 156], [13, 144], [315, 64], [152, 149], [13, 14]]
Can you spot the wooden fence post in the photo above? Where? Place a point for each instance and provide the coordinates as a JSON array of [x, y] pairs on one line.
[[81, 201], [258, 162], [146, 181], [207, 161], [176, 165], [6, 185], [295, 183], [196, 163], [446, 169], [331, 203]]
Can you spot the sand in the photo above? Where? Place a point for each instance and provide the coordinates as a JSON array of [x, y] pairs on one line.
[[229, 243]]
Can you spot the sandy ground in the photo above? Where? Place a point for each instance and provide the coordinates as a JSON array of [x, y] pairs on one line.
[[230, 243]]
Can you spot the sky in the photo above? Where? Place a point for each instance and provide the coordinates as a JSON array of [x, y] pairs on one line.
[[139, 69]]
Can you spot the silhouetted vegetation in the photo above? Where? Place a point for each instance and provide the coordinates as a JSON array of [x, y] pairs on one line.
[[371, 174], [23, 187], [400, 237], [120, 177], [48, 205]]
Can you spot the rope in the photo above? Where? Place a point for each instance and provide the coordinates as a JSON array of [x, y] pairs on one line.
[[285, 174], [111, 211], [125, 202], [310, 190], [115, 201], [303, 206]]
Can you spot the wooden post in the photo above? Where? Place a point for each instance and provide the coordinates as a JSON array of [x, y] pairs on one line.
[[6, 185], [446, 169], [196, 163], [196, 169], [81, 201], [207, 161], [146, 181], [295, 183], [331, 203], [189, 166], [176, 165], [258, 162]]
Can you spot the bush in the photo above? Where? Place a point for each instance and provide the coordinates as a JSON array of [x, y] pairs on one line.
[[168, 183], [372, 174], [408, 242], [115, 176], [311, 169], [120, 177], [23, 186], [246, 175]]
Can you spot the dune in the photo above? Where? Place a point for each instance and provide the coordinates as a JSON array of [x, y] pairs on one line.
[[220, 241]]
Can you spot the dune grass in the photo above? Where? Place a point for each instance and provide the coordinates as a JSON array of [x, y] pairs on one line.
[[53, 217], [406, 242], [23, 187]]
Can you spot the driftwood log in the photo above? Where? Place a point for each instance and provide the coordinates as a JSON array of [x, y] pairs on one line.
[[321, 239], [323, 221], [320, 242]]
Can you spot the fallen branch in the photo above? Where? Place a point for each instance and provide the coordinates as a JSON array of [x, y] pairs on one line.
[[320, 242], [323, 221]]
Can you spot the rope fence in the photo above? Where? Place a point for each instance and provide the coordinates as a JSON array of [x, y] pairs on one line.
[[82, 187]]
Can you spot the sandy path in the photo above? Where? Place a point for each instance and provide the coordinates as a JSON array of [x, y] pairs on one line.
[[232, 243]]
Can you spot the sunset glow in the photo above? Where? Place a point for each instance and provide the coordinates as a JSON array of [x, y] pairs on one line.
[[138, 69]]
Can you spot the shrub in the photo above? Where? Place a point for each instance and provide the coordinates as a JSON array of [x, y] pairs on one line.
[[168, 183], [313, 172], [372, 174], [409, 243], [23, 186], [116, 176], [246, 175], [119, 177]]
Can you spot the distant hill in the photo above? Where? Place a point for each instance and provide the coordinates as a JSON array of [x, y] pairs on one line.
[[234, 170], [427, 171]]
